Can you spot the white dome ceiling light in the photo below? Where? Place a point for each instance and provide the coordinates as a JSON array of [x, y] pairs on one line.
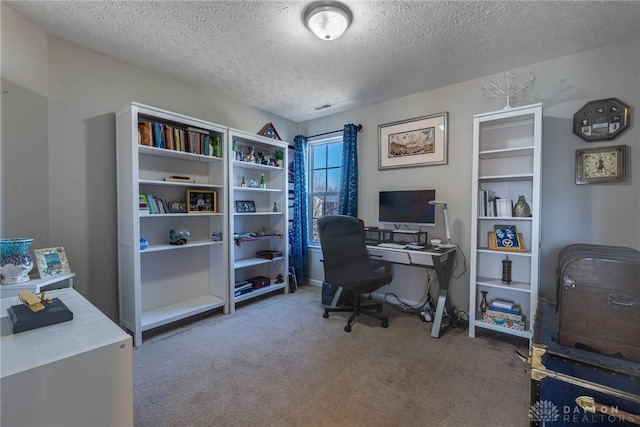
[[327, 19]]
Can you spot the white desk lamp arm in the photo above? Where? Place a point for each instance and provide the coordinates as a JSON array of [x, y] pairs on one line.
[[445, 212]]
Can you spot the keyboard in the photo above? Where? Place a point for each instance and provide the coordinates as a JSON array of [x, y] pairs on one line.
[[392, 245]]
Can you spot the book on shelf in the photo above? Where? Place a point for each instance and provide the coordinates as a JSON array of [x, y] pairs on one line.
[[168, 136], [196, 138], [503, 315], [505, 323], [159, 135], [179, 178], [151, 201], [502, 303], [486, 203], [160, 207], [515, 310], [144, 130], [143, 203], [504, 207]]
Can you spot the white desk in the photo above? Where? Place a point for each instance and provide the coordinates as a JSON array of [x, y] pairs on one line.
[[75, 373], [440, 260]]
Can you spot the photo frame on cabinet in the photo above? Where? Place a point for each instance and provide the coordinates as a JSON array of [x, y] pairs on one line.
[[506, 238], [200, 201], [52, 262], [421, 141], [243, 206]]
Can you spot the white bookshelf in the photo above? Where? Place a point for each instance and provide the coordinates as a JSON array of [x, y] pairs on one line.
[[165, 283], [507, 147], [244, 264]]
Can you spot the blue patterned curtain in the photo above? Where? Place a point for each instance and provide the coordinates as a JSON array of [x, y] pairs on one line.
[[348, 196], [298, 235]]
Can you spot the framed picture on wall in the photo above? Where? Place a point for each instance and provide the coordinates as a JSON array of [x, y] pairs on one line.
[[421, 141]]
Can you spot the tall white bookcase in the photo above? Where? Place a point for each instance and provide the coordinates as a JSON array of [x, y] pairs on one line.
[[507, 148], [261, 225], [165, 283]]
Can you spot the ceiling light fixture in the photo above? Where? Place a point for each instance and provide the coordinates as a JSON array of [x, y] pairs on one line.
[[327, 19]]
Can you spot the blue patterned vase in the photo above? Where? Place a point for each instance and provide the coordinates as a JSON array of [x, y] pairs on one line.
[[15, 262]]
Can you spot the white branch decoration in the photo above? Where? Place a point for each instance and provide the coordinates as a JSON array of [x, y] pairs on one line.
[[493, 89]]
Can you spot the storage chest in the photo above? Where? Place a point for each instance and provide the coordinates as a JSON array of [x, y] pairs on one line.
[[598, 293], [566, 380]]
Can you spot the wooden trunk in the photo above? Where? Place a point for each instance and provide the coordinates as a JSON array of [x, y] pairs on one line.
[[576, 387], [598, 291]]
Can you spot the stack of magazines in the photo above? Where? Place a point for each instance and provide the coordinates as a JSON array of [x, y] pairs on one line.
[[506, 314]]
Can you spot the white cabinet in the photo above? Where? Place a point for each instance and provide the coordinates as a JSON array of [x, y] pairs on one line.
[[165, 283], [258, 221], [36, 285], [75, 373], [506, 164]]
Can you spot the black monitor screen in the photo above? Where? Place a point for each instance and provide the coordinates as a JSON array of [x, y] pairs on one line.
[[407, 207]]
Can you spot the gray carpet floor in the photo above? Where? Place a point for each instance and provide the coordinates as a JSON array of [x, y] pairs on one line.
[[277, 362]]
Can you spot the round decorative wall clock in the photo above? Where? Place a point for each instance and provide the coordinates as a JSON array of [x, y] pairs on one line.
[[601, 120], [602, 164]]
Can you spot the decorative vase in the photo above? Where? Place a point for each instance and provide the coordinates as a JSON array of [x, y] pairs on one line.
[[15, 262], [484, 304], [521, 208]]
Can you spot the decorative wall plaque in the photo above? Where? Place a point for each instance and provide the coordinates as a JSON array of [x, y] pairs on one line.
[[601, 120]]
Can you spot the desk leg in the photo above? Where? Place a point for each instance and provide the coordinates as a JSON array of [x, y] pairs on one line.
[[443, 273]]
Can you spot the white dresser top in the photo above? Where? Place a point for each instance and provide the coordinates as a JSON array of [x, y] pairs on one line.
[[90, 329]]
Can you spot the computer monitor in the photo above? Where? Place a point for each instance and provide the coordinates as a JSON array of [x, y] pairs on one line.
[[407, 207]]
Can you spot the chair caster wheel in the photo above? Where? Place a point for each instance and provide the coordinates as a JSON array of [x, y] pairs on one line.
[[325, 315], [347, 328], [385, 324]]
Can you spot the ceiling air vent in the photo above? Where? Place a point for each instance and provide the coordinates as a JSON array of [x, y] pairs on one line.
[[323, 107]]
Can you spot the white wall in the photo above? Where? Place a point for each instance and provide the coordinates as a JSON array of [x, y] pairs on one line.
[[598, 213], [83, 90], [24, 196]]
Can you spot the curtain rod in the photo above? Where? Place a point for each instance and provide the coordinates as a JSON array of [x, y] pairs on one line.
[[358, 127]]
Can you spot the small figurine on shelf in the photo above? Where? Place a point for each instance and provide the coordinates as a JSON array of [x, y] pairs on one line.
[[243, 183], [275, 207], [251, 155]]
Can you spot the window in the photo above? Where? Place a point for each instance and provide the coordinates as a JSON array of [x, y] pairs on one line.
[[324, 182]]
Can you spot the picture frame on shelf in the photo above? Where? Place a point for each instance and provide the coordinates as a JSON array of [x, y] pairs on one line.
[[52, 262], [600, 165], [201, 201], [506, 238], [177, 207], [421, 141], [243, 206]]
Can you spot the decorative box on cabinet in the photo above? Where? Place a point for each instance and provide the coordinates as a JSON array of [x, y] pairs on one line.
[[506, 163], [265, 228], [75, 373], [165, 283]]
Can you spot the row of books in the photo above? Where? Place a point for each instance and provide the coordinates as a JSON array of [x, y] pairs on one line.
[[491, 205], [505, 314], [152, 205], [189, 140]]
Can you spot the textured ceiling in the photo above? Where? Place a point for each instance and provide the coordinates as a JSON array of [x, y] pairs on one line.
[[260, 53]]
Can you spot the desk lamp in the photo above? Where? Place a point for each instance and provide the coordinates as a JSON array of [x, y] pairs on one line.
[[446, 220]]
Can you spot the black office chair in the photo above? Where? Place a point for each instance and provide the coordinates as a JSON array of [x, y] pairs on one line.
[[347, 265]]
